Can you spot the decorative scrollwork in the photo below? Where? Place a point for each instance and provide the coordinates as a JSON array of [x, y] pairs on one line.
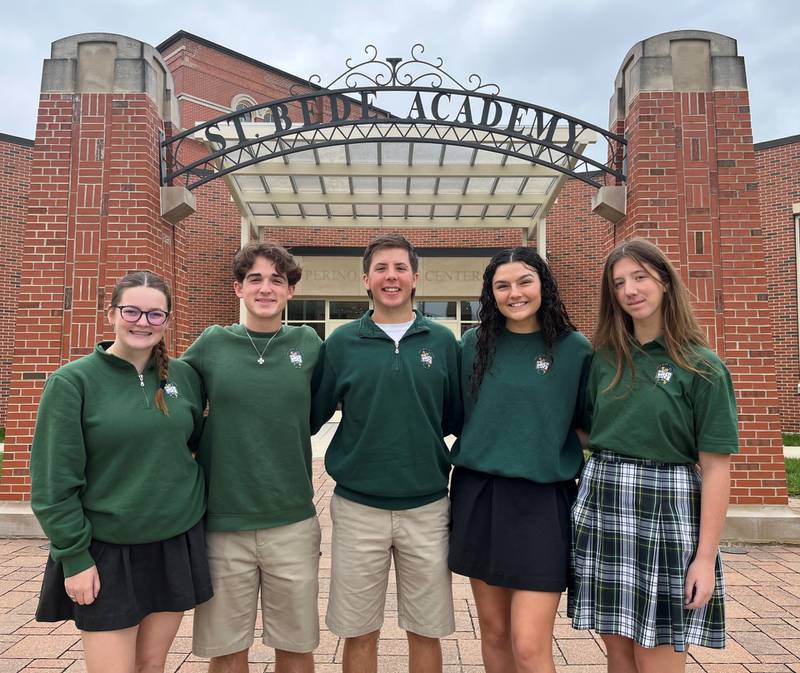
[[394, 71]]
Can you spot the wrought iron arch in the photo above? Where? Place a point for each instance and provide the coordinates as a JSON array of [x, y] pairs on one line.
[[347, 115]]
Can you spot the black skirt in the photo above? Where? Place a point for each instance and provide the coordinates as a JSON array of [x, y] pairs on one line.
[[135, 580], [510, 532]]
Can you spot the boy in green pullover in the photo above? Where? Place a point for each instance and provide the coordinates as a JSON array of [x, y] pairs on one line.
[[395, 374], [262, 529]]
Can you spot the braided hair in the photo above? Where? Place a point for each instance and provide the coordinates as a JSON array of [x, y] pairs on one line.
[[552, 314], [148, 279]]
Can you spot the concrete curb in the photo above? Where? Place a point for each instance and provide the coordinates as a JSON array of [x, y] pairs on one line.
[[791, 451], [750, 524], [17, 520], [762, 524]]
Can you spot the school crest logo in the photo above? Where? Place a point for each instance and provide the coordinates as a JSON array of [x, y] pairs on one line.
[[664, 374], [543, 363], [171, 390], [296, 358], [426, 358]]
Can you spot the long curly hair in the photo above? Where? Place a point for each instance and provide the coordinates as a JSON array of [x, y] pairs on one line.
[[552, 315]]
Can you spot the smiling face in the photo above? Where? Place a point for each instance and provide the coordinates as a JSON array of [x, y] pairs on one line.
[[517, 292], [140, 336], [639, 293], [264, 291], [391, 281]]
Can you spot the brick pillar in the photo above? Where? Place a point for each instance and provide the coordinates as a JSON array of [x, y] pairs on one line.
[[15, 155], [681, 99], [94, 214]]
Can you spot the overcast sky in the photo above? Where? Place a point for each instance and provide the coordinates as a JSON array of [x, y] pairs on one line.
[[560, 54]]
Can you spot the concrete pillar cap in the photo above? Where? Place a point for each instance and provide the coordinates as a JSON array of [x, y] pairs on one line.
[[110, 63], [681, 60]]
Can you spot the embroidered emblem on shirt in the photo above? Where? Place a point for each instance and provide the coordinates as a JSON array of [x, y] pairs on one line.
[[296, 358], [426, 358], [543, 363], [171, 389], [664, 374]]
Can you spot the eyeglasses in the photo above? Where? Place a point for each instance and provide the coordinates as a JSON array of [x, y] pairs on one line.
[[133, 313]]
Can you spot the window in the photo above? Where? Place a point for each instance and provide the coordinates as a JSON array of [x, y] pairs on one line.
[[458, 315], [326, 315], [242, 102], [305, 309], [469, 314], [437, 310], [348, 310], [309, 312], [248, 116]]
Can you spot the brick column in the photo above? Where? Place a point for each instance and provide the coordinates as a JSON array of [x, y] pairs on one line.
[[15, 154], [94, 214], [681, 99]]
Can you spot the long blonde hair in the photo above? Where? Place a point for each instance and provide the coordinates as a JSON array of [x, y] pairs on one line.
[[614, 330]]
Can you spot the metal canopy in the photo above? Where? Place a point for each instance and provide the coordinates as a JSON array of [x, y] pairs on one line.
[[394, 182], [462, 155]]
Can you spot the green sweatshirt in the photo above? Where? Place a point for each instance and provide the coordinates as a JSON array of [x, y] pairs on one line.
[[522, 423], [256, 445], [107, 464], [398, 403], [668, 414]]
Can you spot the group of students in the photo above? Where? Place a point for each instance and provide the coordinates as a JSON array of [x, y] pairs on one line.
[[170, 484]]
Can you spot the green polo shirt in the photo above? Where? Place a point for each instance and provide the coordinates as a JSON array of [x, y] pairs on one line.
[[667, 414], [522, 422]]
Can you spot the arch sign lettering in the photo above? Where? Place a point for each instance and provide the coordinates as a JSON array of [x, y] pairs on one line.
[[428, 106]]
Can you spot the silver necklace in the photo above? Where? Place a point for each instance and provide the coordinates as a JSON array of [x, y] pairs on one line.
[[261, 354]]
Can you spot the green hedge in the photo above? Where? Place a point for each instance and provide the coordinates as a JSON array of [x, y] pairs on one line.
[[793, 476]]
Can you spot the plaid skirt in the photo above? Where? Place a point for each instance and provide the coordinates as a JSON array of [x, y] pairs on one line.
[[635, 528]]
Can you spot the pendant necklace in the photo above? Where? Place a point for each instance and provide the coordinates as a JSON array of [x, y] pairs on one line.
[[255, 348]]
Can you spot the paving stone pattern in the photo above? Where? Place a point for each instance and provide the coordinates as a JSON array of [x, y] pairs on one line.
[[763, 620]]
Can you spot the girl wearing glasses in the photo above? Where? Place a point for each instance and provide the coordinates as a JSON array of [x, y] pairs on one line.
[[116, 488]]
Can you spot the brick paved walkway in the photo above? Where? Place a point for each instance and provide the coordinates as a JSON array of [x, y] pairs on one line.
[[763, 620]]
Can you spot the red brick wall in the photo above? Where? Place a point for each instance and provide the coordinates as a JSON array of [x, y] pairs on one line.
[[93, 215], [15, 156], [693, 190], [577, 244], [779, 185], [211, 238], [216, 76], [212, 75]]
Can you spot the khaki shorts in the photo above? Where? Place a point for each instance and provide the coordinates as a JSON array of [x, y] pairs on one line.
[[283, 562], [364, 541]]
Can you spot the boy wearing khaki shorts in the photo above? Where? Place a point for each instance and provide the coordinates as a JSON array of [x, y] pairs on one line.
[[396, 376], [262, 530]]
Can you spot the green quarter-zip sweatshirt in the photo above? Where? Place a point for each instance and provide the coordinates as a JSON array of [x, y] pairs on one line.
[[256, 444], [107, 464], [398, 402]]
